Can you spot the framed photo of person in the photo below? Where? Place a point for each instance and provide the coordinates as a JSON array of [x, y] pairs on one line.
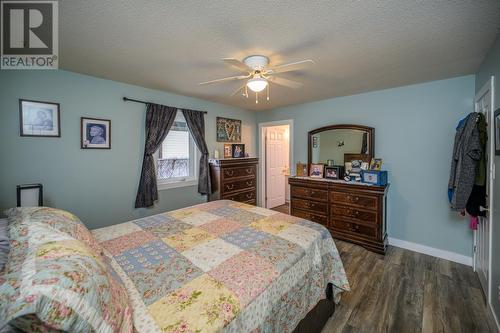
[[376, 164], [228, 150], [316, 170], [95, 133], [238, 150], [333, 172], [39, 118]]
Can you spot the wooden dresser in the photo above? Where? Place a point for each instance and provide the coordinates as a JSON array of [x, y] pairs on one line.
[[353, 212], [234, 179]]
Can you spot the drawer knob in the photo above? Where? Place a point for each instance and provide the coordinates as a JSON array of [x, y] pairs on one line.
[[250, 183], [249, 195], [249, 171], [229, 172], [229, 188]]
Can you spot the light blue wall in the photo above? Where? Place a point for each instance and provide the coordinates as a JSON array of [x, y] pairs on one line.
[[97, 185], [414, 133], [489, 67]]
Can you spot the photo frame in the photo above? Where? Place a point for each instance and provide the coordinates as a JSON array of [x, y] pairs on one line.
[[376, 164], [228, 150], [301, 170], [41, 119], [238, 150], [316, 170], [334, 172], [95, 133], [497, 131], [228, 130]]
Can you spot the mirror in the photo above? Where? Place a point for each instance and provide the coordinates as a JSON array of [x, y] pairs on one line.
[[341, 143]]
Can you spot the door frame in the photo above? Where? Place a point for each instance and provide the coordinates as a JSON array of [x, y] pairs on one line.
[[262, 156], [489, 85]]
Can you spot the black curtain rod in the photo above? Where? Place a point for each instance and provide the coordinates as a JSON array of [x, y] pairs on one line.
[[126, 99]]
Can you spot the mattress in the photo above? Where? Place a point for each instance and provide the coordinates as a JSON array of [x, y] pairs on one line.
[[223, 266]]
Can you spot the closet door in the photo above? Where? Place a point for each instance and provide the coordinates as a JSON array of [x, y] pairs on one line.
[[482, 236]]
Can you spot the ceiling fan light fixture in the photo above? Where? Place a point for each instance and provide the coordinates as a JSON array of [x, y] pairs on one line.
[[257, 84]]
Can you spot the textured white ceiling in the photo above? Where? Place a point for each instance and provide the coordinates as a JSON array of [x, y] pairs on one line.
[[358, 46]]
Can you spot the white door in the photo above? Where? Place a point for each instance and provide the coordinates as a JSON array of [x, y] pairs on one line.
[[482, 236], [276, 165]]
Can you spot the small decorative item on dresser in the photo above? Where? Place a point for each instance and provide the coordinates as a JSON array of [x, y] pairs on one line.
[[95, 133], [316, 170], [330, 162], [376, 164], [334, 172], [39, 118], [301, 169], [375, 177], [238, 150], [228, 150]]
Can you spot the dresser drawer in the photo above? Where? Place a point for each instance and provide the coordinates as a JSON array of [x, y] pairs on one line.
[[241, 197], [314, 206], [337, 212], [310, 193], [318, 218], [353, 199], [236, 185], [354, 228], [237, 172]]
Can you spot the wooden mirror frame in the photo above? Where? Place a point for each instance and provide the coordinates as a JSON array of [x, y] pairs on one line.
[[369, 130]]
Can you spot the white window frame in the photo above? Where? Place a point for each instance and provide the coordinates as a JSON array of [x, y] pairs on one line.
[[165, 184]]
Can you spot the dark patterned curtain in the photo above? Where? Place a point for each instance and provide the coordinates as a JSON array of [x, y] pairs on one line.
[[159, 119], [195, 121]]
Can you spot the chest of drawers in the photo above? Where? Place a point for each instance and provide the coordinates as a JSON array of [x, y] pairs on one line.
[[352, 212], [234, 179]]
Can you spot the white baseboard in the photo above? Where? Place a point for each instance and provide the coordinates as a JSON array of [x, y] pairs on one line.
[[431, 251]]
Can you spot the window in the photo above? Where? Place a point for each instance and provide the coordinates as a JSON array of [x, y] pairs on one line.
[[176, 158]]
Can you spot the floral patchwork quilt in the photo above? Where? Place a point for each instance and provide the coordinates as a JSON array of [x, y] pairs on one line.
[[223, 266]]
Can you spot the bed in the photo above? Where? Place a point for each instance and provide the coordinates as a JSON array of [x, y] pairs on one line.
[[223, 266]]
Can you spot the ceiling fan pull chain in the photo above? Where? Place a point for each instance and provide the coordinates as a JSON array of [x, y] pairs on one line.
[[268, 92], [256, 98]]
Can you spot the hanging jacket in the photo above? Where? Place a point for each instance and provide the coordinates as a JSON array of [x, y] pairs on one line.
[[466, 155]]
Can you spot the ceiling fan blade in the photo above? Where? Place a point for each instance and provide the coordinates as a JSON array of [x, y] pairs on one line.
[[230, 78], [285, 82], [293, 66], [237, 64]]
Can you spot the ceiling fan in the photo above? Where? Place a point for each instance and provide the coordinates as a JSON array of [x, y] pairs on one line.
[[258, 75]]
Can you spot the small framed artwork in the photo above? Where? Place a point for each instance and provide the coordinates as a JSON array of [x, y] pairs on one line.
[[302, 170], [95, 133], [238, 150], [333, 172], [228, 150], [228, 130], [316, 170], [497, 132], [376, 164], [39, 118]]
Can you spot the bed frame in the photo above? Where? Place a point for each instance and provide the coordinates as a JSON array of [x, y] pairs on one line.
[[316, 319]]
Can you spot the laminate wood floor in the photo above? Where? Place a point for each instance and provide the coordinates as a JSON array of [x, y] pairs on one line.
[[407, 291]]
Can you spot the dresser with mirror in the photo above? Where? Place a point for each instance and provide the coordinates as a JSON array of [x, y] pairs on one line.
[[352, 211]]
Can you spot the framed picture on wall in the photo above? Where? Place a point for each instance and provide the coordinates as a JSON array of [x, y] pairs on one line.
[[228, 130], [95, 133], [497, 132], [39, 118]]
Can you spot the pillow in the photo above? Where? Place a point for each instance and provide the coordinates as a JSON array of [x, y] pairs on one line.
[[58, 219], [4, 243], [53, 281]]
